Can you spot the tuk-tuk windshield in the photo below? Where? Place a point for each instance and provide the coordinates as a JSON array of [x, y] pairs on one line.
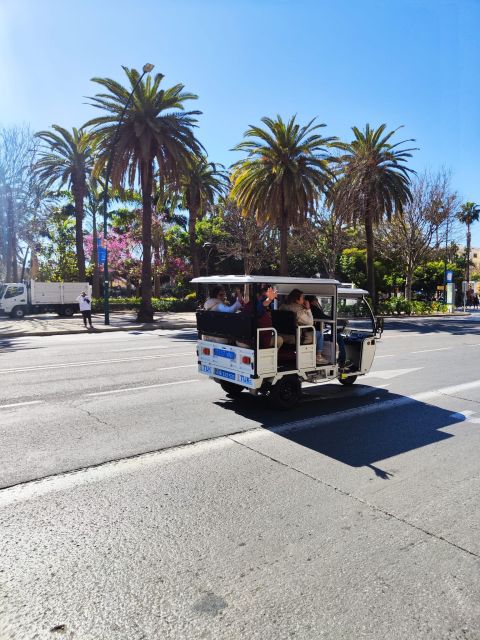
[[357, 314]]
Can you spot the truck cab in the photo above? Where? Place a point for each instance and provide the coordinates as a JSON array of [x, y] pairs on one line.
[[232, 349], [13, 295]]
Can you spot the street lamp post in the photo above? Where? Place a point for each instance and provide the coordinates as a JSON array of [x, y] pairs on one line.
[[106, 284]]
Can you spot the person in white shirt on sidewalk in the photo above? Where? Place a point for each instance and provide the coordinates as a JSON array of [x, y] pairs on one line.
[[85, 305]]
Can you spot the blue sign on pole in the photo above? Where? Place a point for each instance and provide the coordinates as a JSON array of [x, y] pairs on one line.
[[101, 251], [449, 276]]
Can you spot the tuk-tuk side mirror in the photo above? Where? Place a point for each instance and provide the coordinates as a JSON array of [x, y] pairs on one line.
[[379, 325]]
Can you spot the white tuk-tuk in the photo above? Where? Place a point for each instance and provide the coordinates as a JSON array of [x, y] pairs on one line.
[[232, 349]]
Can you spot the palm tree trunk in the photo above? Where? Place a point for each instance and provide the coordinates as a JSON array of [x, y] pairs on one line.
[[370, 255], [145, 313], [284, 240], [78, 195], [469, 240], [192, 219]]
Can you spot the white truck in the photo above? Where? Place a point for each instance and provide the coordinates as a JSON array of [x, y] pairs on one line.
[[18, 299]]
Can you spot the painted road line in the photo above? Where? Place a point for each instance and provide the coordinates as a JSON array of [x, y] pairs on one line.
[[92, 362], [355, 412], [20, 404], [390, 373], [178, 366], [149, 386], [429, 350], [390, 355], [157, 346]]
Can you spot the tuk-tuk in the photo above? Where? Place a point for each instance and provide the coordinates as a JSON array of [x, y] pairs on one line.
[[239, 352]]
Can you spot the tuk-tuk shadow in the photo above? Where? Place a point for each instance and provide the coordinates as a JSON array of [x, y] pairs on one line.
[[361, 436]]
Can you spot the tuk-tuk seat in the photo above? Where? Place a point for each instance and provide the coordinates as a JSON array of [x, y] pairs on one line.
[[234, 326]]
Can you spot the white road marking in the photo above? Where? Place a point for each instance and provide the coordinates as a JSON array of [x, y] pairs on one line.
[[390, 355], [157, 346], [92, 362], [429, 350], [178, 366], [60, 482], [148, 386], [390, 373], [20, 404]]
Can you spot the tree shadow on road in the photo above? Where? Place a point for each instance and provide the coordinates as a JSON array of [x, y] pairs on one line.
[[357, 431], [8, 345], [453, 326]]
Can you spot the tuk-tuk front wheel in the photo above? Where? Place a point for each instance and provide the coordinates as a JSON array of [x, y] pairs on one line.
[[285, 394], [347, 381], [232, 390]]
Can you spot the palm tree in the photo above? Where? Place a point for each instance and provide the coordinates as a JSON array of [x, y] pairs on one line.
[[151, 128], [283, 176], [373, 182], [469, 214], [202, 182], [67, 159]]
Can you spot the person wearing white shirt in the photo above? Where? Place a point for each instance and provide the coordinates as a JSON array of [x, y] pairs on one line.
[[85, 305]]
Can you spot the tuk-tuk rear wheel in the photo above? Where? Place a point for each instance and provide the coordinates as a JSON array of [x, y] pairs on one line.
[[232, 390], [285, 394], [347, 381]]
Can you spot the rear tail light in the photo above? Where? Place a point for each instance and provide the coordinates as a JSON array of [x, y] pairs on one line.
[[246, 360], [206, 351]]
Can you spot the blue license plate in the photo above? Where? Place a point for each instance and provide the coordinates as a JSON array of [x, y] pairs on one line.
[[223, 353], [221, 373]]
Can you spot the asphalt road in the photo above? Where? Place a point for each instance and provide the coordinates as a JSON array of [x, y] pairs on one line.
[[138, 501]]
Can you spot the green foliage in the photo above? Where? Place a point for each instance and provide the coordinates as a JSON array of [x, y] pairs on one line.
[[189, 303], [400, 306]]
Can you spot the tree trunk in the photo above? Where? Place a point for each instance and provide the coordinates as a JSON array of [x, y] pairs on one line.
[[284, 240], [145, 313], [192, 219], [156, 275], [370, 256], [469, 240], [408, 282], [78, 195], [10, 236]]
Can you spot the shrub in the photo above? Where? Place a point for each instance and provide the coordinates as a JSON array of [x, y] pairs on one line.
[[159, 304], [394, 306]]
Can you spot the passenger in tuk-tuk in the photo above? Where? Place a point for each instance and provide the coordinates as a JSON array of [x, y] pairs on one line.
[[297, 303], [264, 299], [216, 302]]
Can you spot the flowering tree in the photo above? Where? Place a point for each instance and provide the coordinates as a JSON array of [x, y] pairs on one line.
[[123, 256]]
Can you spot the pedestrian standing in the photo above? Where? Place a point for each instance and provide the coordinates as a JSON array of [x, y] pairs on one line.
[[85, 305]]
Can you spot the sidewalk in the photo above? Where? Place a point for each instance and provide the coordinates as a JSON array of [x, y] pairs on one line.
[[51, 324]]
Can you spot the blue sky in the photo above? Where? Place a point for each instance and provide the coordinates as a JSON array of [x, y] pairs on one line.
[[404, 62]]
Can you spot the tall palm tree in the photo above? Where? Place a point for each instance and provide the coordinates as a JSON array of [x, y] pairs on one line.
[[154, 130], [67, 159], [469, 214], [373, 183], [201, 183], [283, 176]]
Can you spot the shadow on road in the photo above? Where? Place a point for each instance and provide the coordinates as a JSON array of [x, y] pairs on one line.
[[8, 345], [453, 326], [379, 424]]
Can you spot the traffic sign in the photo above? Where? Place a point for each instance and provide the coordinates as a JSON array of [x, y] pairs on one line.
[[449, 276]]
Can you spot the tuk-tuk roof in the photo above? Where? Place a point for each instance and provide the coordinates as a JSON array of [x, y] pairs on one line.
[[352, 292], [261, 279]]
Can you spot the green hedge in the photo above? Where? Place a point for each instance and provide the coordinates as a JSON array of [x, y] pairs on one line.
[[394, 306], [159, 304]]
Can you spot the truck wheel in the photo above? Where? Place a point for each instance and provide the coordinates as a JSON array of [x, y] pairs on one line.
[[347, 381], [18, 313], [285, 394], [232, 390], [68, 312]]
